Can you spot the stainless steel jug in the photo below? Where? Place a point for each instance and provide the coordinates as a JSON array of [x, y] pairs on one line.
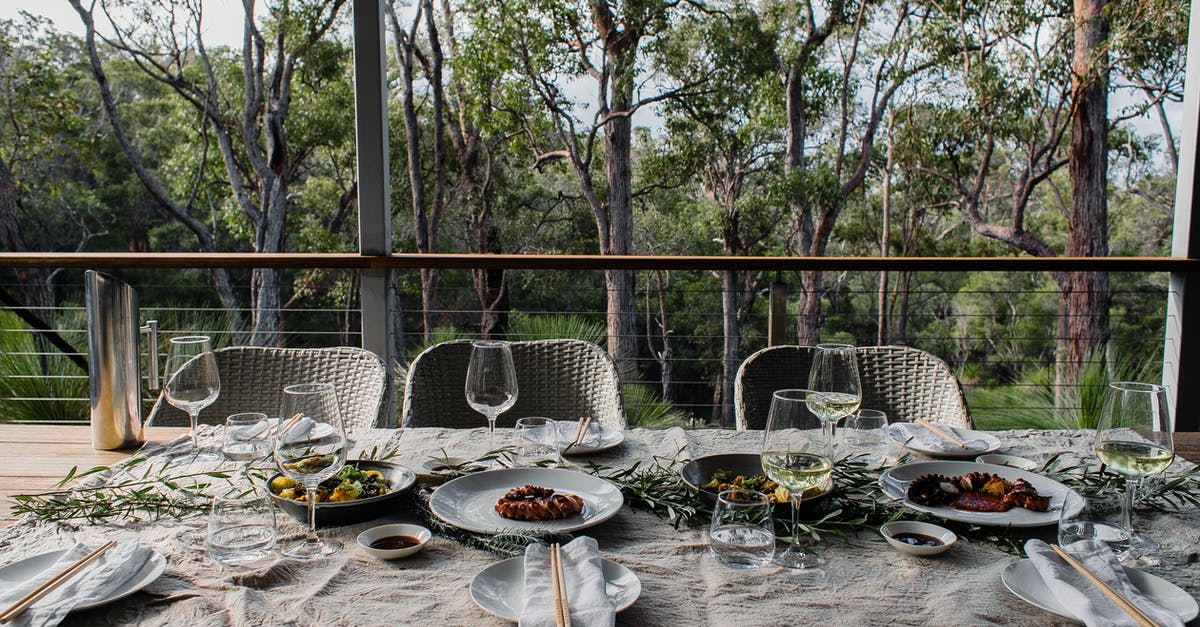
[[114, 363]]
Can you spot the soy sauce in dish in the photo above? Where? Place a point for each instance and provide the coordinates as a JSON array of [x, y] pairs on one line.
[[917, 539], [388, 543]]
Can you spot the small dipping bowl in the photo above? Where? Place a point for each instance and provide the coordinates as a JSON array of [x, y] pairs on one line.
[[1012, 461], [942, 535], [375, 534]]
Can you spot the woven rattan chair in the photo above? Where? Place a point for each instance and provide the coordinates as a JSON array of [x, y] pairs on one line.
[[253, 378], [905, 383], [560, 379]]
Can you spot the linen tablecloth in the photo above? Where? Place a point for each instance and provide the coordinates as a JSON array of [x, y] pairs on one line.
[[681, 583]]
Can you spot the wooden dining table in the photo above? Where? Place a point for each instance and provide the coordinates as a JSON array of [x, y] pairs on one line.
[[38, 456], [680, 582]]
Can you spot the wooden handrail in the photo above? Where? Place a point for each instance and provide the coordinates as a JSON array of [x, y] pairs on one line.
[[595, 262]]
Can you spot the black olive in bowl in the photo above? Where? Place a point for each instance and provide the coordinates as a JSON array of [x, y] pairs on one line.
[[333, 514]]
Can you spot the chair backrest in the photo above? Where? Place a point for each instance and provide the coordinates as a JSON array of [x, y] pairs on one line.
[[253, 378], [905, 383], [560, 379]]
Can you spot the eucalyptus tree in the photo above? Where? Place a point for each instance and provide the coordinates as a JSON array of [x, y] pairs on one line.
[[728, 136], [555, 43], [243, 100]]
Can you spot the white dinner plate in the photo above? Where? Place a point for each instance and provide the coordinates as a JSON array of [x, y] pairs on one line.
[[469, 502], [895, 484], [989, 443], [500, 588], [600, 438], [1022, 579], [28, 568]]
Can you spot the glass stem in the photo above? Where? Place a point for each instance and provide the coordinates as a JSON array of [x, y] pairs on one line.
[[795, 524], [311, 497], [194, 418], [491, 432], [1127, 505]]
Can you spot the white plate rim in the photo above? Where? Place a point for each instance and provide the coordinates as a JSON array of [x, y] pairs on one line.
[[518, 563], [1024, 569], [152, 570], [442, 507], [998, 519], [605, 433], [993, 443]]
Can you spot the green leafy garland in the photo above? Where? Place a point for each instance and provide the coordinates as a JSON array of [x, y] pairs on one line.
[[169, 490]]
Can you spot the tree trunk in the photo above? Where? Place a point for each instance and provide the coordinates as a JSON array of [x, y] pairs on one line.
[[618, 135], [732, 327], [1083, 306]]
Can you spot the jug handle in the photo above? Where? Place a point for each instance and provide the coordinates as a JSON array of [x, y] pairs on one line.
[[151, 328]]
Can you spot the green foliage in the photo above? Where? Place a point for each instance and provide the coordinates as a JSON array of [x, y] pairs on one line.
[[523, 326], [36, 388]]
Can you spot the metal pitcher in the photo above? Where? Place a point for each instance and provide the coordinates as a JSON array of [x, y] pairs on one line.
[[114, 362]]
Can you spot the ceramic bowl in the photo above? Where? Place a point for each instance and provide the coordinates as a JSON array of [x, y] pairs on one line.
[[399, 478], [1012, 461], [942, 534], [373, 534], [699, 471]]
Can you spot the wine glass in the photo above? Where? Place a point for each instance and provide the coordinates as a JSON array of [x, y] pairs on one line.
[[192, 381], [834, 374], [795, 455], [1133, 438], [310, 447], [491, 386]]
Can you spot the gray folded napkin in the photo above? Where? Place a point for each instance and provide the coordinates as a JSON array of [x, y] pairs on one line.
[[583, 577], [919, 437], [593, 437], [1084, 600], [108, 574]]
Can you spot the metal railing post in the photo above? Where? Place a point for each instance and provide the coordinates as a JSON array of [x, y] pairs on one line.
[[374, 198], [1181, 348]]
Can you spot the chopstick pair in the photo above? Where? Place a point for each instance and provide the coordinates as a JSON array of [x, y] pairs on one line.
[[581, 430], [562, 611], [941, 433], [1126, 605], [54, 582]]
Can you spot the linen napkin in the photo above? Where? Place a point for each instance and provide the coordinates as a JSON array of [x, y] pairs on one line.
[[1082, 598], [584, 580], [914, 433], [100, 580], [593, 437], [297, 431]]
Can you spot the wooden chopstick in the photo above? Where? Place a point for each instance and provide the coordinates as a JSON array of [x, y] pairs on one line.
[[581, 430], [1134, 612], [54, 582], [939, 431], [562, 612]]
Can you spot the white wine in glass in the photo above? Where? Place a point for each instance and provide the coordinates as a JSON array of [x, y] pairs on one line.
[[1133, 438], [309, 460], [192, 382], [491, 385], [834, 374], [794, 455]]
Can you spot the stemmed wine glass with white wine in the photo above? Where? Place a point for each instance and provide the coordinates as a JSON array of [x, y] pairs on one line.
[[834, 374], [491, 386], [309, 458], [1133, 438], [192, 382], [795, 455]]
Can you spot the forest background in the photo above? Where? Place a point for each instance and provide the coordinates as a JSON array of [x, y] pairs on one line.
[[777, 127]]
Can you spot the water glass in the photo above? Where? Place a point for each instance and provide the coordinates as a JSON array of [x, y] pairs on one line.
[[865, 433], [248, 436], [536, 441], [742, 534], [1099, 517], [241, 529]]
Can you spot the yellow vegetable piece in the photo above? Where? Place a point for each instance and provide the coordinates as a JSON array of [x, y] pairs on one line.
[[279, 484]]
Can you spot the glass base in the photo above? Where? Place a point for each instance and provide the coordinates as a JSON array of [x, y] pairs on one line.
[[1141, 546], [310, 549], [796, 559]]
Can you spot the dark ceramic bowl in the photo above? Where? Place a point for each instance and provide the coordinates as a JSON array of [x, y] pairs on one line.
[[399, 478], [699, 471]]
